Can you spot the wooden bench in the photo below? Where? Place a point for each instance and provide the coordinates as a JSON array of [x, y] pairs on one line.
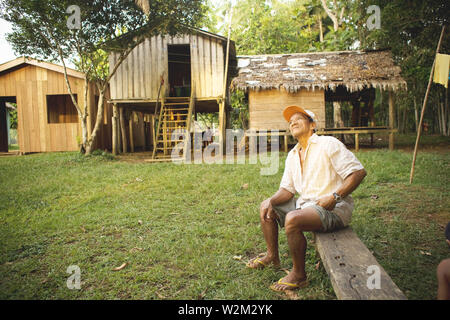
[[347, 260]]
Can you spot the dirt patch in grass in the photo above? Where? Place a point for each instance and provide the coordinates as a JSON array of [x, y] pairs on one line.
[[416, 206]]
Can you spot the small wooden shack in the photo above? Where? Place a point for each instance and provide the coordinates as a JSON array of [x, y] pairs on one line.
[[47, 119], [312, 79], [182, 74]]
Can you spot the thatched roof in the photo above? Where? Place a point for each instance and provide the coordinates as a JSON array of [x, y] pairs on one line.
[[354, 70]]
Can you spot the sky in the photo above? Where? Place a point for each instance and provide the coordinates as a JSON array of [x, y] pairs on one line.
[[6, 52]]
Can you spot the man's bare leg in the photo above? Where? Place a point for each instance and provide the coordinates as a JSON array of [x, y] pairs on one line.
[[443, 276], [270, 231], [269, 228], [297, 222]]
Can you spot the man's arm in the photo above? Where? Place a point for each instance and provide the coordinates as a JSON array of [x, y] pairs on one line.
[[351, 182], [281, 196]]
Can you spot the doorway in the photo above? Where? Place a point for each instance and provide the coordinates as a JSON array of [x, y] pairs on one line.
[[179, 70], [8, 124]]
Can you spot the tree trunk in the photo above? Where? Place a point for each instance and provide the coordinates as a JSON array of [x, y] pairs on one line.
[[337, 115], [416, 112], [444, 113], [404, 121], [320, 29], [439, 113], [98, 121], [447, 119], [333, 16]]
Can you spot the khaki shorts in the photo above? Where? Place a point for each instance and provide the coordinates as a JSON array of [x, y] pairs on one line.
[[330, 220]]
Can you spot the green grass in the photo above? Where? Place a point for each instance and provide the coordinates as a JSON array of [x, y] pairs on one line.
[[13, 147], [178, 227]]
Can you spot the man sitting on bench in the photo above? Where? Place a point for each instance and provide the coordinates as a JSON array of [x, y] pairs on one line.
[[324, 173]]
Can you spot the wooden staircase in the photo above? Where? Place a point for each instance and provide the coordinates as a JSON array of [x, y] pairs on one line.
[[174, 117]]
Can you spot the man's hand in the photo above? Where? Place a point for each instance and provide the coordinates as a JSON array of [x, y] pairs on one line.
[[267, 211], [327, 202]]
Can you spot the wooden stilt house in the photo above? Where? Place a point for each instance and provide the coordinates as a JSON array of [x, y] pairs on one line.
[[312, 79], [47, 119], [163, 83]]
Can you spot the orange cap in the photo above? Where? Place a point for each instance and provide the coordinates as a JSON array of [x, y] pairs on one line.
[[289, 111]]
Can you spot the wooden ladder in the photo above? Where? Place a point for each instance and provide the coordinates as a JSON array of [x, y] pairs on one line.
[[174, 117]]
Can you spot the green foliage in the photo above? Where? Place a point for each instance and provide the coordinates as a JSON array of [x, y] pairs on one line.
[[13, 117], [287, 26], [239, 112], [208, 119], [96, 155]]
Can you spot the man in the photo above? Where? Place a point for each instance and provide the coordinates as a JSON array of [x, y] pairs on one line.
[[443, 272], [324, 173], [207, 137]]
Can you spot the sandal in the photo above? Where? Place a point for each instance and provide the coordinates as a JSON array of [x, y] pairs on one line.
[[288, 285]]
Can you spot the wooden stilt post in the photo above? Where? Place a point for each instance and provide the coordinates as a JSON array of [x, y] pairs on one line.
[[391, 119], [115, 137], [419, 129], [222, 105], [371, 114], [123, 131], [286, 142], [131, 131], [142, 130]]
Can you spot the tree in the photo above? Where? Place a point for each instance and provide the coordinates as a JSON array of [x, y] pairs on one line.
[[411, 30], [335, 11], [41, 30]]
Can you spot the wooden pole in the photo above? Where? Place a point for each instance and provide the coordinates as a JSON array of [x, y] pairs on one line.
[[123, 131], [419, 131], [142, 129], [115, 137], [356, 142], [131, 131], [391, 119], [222, 105]]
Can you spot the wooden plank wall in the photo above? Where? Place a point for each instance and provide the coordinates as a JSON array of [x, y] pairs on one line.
[[31, 85], [138, 76], [266, 107]]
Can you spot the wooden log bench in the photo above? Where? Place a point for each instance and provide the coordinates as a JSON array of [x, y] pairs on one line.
[[349, 263]]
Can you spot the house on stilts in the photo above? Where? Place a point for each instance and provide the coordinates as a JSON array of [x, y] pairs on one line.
[[164, 83], [309, 80]]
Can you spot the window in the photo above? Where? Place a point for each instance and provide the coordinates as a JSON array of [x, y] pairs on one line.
[[60, 109]]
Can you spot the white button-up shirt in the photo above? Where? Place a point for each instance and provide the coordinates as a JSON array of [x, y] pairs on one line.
[[327, 163]]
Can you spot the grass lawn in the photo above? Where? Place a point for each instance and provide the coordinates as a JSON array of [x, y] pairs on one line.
[[180, 228]]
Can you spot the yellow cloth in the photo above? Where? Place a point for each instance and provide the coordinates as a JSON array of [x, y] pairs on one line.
[[441, 69]]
